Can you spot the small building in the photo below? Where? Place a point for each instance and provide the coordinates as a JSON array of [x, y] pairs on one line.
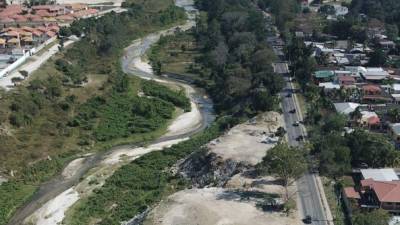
[[371, 89], [346, 107], [346, 80], [324, 74], [374, 74], [387, 44], [394, 132], [382, 194], [329, 86], [369, 119], [351, 198], [395, 89], [385, 174]]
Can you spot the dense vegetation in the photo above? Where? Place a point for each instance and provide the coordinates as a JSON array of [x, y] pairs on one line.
[[284, 12], [236, 59], [139, 185], [81, 101], [384, 10]]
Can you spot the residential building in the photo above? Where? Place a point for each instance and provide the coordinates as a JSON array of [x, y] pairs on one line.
[[384, 174], [324, 74], [373, 74], [381, 194], [394, 132], [329, 86], [346, 107], [369, 119], [344, 80]]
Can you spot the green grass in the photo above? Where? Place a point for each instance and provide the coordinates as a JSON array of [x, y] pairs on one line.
[[333, 201]]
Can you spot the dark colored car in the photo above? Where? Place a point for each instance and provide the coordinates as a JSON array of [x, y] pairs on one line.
[[307, 220], [292, 111], [288, 95]]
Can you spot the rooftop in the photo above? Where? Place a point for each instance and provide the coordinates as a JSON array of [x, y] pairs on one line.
[[395, 128], [351, 193], [324, 74], [379, 174], [346, 107], [386, 191]]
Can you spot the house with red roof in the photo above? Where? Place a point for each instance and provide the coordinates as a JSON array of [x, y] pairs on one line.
[[374, 93], [345, 80], [382, 194], [377, 189]]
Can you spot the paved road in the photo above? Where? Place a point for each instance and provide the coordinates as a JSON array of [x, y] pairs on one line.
[[307, 185]]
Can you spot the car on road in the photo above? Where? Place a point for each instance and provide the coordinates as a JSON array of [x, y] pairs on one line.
[[296, 124], [307, 219], [292, 111], [289, 95]]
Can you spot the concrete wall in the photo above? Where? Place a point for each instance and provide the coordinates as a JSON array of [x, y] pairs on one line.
[[22, 60]]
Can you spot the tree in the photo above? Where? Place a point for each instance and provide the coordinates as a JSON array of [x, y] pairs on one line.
[[376, 150], [378, 58], [356, 115], [334, 123], [376, 217], [334, 155], [394, 115], [286, 163]]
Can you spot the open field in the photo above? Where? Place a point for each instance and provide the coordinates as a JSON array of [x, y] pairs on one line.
[[246, 142]]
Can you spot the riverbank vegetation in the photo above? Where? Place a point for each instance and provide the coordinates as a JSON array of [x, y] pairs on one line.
[[81, 101], [137, 186]]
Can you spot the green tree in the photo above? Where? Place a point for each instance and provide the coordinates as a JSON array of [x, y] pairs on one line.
[[374, 149], [378, 58], [286, 163], [375, 217]]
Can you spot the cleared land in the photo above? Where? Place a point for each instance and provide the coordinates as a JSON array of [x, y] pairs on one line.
[[246, 142], [240, 200]]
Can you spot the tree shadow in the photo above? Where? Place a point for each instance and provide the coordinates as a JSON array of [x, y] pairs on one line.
[[264, 201]]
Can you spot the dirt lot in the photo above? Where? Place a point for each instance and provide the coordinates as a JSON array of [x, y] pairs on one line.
[[244, 142], [238, 202], [217, 206]]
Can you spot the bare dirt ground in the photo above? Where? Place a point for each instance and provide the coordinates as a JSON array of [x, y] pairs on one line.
[[70, 170], [244, 142], [231, 205], [215, 206]]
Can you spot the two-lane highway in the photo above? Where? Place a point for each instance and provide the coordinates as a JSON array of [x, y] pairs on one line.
[[308, 191]]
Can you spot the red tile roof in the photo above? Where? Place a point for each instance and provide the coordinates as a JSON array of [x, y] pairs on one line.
[[50, 33], [346, 78], [351, 193], [374, 120], [386, 191], [371, 88]]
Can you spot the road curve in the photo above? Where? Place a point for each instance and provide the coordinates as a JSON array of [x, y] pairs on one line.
[[59, 185]]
